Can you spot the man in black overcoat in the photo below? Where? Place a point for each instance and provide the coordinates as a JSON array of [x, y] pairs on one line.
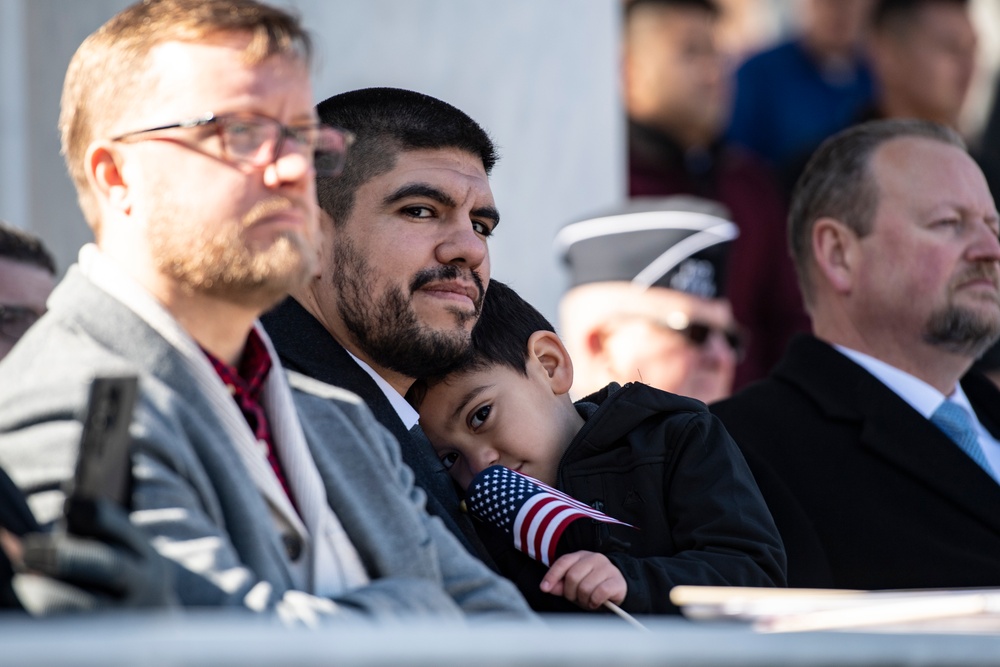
[[877, 453]]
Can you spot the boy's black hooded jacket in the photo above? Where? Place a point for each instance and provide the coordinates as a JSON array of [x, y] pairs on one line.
[[664, 464]]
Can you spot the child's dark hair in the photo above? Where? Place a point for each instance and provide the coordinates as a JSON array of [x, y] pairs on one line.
[[500, 337]]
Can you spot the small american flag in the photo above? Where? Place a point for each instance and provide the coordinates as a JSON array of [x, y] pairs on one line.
[[533, 513]]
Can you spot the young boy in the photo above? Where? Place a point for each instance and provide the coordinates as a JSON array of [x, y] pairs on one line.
[[652, 459]]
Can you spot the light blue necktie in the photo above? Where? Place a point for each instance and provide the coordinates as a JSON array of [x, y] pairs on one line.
[[957, 424]]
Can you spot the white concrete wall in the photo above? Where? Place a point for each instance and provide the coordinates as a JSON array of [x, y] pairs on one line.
[[13, 114], [37, 40]]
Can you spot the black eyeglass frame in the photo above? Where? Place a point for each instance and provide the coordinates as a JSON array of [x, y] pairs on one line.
[[296, 132]]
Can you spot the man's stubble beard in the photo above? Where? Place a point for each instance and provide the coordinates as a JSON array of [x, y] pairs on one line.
[[962, 330], [386, 327], [226, 267]]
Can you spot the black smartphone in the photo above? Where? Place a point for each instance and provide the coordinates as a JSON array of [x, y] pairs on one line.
[[104, 467]]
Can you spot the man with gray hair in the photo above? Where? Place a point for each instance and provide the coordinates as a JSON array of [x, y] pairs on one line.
[[646, 301], [877, 458]]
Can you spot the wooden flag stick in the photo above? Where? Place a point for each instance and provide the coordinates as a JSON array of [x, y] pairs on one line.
[[621, 613]]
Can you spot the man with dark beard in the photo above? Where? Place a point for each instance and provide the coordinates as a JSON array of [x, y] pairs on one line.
[[190, 132], [878, 459], [404, 266]]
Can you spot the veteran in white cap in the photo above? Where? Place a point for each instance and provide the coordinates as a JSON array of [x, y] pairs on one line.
[[646, 300]]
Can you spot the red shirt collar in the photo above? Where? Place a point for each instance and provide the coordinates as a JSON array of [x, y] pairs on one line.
[[247, 378]]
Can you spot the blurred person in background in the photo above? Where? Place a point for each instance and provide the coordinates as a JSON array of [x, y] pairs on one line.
[[791, 97], [923, 53], [677, 95], [27, 276], [987, 152], [646, 301]]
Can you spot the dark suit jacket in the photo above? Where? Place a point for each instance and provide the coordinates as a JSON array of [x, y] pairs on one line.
[[305, 345], [18, 519], [865, 491]]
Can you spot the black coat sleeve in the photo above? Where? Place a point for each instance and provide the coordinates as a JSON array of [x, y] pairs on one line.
[[16, 518], [700, 519], [720, 529]]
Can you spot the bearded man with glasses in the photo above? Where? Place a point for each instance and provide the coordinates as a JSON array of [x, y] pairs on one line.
[[646, 300], [189, 131]]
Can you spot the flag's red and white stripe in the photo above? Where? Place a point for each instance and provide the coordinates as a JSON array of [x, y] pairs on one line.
[[543, 518]]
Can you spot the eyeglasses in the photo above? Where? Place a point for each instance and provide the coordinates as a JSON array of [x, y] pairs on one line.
[[696, 333], [254, 140], [15, 320]]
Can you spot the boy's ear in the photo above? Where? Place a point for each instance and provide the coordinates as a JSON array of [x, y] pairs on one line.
[[546, 348]]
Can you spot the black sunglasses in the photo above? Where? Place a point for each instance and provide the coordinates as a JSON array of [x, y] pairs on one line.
[[697, 333]]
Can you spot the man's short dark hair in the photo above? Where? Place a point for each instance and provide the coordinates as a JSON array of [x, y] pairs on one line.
[[20, 246], [896, 14], [709, 6], [500, 338], [837, 183], [385, 122]]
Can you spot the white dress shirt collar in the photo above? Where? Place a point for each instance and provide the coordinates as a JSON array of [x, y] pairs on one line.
[[406, 413], [924, 398]]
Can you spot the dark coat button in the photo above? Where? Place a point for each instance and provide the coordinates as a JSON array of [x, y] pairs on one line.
[[293, 546]]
